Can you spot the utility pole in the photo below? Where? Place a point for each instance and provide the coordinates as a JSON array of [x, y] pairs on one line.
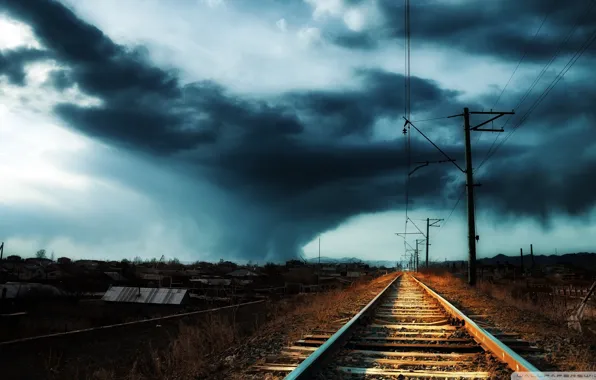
[[418, 241], [532, 256], [416, 255], [470, 193], [472, 237], [521, 257], [428, 225]]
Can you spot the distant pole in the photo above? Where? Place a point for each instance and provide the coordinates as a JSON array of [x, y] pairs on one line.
[[532, 256], [521, 257], [416, 253], [319, 271], [427, 240], [430, 223], [1, 251]]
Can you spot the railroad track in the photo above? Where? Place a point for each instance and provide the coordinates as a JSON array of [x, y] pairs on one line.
[[406, 332]]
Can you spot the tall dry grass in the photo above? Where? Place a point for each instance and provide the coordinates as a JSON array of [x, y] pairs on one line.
[[197, 349], [187, 356], [555, 309]]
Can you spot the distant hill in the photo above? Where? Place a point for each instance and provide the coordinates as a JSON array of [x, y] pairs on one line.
[[582, 259], [349, 260]]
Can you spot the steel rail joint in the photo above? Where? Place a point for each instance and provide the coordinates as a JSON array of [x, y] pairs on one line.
[[485, 339], [315, 361]]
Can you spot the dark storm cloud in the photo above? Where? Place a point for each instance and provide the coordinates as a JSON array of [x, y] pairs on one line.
[[297, 176], [287, 159], [355, 41], [12, 63], [499, 28], [342, 113]]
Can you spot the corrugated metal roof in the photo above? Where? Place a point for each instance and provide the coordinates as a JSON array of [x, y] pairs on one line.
[[166, 296]]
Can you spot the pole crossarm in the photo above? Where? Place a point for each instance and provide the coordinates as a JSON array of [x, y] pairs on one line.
[[449, 159], [434, 222]]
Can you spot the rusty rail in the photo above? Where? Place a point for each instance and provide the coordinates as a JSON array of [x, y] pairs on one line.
[[486, 339], [317, 359]]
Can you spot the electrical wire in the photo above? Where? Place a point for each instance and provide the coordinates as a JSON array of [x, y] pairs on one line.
[[434, 118], [509, 81], [494, 147], [451, 213], [545, 93], [522, 58]]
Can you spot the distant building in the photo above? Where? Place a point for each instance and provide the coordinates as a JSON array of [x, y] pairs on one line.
[[30, 272], [116, 277], [36, 261], [87, 264], [243, 273]]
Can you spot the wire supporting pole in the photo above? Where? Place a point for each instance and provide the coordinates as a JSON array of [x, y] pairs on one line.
[[470, 194], [427, 241]]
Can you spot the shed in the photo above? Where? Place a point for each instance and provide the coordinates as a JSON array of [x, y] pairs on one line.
[[161, 296]]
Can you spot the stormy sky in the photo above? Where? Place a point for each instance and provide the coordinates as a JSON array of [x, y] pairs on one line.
[[245, 130]]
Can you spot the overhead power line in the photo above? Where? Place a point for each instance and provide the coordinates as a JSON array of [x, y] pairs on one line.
[[461, 194], [545, 93], [434, 118], [494, 147], [522, 58]]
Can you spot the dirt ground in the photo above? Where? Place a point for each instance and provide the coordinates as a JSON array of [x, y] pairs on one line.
[[564, 349], [319, 311]]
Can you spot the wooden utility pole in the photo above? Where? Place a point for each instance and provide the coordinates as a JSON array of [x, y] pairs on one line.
[[428, 225], [470, 194], [521, 258], [472, 237], [532, 256]]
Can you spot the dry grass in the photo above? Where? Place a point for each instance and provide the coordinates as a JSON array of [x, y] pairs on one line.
[[187, 357], [555, 309], [542, 320], [216, 345]]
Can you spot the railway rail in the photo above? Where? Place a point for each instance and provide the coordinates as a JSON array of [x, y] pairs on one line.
[[407, 331]]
